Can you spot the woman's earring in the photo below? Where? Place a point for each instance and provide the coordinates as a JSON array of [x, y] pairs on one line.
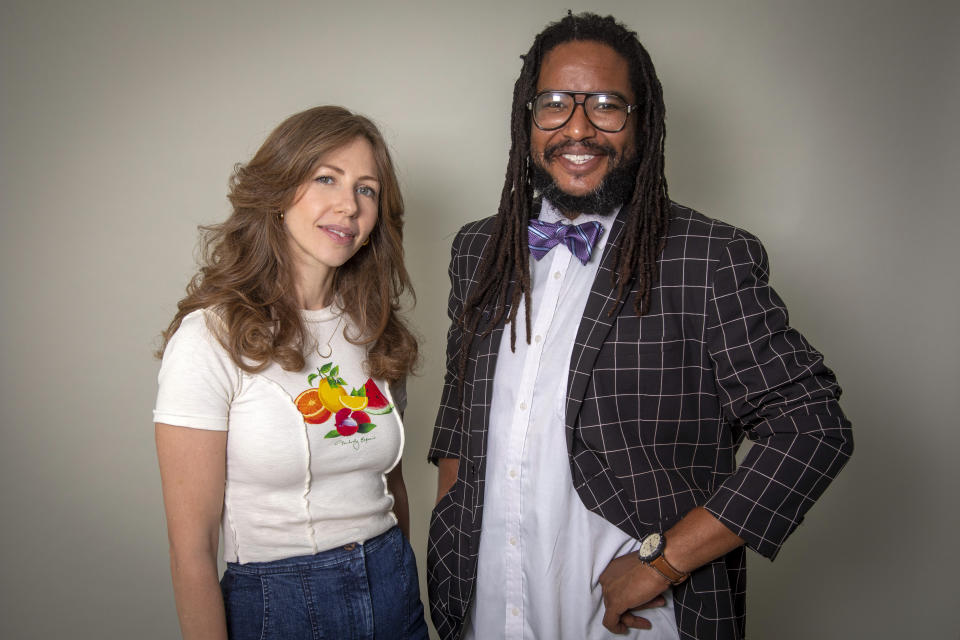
[[366, 242], [280, 216]]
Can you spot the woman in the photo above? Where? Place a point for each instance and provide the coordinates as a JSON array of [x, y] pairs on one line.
[[279, 399]]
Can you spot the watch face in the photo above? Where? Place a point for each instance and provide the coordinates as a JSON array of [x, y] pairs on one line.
[[651, 546]]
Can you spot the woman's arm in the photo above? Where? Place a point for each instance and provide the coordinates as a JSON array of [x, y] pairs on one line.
[[401, 508], [193, 472]]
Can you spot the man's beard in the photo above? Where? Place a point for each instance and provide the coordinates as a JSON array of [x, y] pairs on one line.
[[615, 188]]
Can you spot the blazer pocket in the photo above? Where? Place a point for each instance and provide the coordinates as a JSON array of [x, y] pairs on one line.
[[629, 368], [441, 548], [646, 334], [443, 519]]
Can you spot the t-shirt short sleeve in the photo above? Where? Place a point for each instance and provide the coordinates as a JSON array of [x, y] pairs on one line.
[[197, 379]]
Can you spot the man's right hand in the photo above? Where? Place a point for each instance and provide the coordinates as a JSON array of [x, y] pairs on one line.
[[629, 586], [446, 476]]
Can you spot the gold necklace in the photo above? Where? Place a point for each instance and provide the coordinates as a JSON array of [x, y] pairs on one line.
[[329, 348]]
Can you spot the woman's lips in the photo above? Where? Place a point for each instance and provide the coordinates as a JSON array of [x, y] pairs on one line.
[[339, 235]]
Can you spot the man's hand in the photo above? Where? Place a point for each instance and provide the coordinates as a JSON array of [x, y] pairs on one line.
[[629, 585]]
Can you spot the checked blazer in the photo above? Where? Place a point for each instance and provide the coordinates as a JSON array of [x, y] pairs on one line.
[[656, 408]]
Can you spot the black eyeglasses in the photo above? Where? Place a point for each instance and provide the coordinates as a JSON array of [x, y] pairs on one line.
[[605, 111]]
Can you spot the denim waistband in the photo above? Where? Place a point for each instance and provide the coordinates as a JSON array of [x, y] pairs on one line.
[[328, 558]]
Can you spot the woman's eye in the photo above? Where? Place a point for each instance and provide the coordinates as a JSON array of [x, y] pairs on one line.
[[324, 179], [364, 190]]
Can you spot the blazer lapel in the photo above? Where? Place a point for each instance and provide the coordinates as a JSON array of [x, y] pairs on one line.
[[487, 349], [593, 330], [482, 395]]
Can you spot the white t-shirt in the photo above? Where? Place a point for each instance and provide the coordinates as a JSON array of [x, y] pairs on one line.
[[306, 461]]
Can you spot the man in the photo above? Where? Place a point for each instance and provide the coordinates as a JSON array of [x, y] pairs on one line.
[[587, 479]]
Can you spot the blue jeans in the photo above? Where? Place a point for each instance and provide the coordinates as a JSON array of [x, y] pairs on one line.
[[358, 591]]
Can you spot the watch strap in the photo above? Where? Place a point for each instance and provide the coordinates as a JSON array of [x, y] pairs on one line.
[[673, 575]]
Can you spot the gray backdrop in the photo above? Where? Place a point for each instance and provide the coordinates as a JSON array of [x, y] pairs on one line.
[[827, 128]]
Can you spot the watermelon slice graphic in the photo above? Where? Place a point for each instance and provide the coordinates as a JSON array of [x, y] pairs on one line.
[[377, 403]]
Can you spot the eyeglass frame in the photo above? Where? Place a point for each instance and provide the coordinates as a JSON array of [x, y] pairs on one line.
[[580, 103]]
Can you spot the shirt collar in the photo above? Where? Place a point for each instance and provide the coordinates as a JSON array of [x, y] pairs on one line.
[[549, 213]]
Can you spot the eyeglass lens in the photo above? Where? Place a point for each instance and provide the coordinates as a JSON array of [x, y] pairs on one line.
[[605, 111]]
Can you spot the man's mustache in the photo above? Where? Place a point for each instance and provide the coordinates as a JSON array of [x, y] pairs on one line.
[[587, 145]]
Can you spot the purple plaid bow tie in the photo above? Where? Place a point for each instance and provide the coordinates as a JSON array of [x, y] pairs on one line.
[[579, 238]]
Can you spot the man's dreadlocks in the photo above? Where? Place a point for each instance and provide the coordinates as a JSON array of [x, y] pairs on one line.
[[505, 259]]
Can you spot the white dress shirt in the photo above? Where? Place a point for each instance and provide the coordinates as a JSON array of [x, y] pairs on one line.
[[542, 551]]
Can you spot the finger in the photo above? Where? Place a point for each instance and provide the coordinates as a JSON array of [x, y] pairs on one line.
[[611, 620], [631, 621], [659, 601]]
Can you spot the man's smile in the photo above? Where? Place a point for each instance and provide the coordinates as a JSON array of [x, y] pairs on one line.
[[578, 159]]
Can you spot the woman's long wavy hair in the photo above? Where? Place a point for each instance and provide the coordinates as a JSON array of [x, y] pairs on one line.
[[246, 271]]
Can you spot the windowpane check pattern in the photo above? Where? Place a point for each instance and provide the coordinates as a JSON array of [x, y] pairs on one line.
[[656, 408]]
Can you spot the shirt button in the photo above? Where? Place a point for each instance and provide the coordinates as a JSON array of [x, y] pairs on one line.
[[537, 338], [556, 275], [513, 541], [513, 473], [515, 611], [523, 406]]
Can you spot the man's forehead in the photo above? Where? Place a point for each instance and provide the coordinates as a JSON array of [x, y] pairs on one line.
[[585, 65]]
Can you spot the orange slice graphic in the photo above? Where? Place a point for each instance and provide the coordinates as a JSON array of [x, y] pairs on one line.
[[309, 404]]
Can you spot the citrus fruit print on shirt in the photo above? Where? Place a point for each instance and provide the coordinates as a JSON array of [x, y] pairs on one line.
[[351, 411]]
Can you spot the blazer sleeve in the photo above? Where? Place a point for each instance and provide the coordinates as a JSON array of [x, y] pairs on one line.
[[775, 387], [448, 428]]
